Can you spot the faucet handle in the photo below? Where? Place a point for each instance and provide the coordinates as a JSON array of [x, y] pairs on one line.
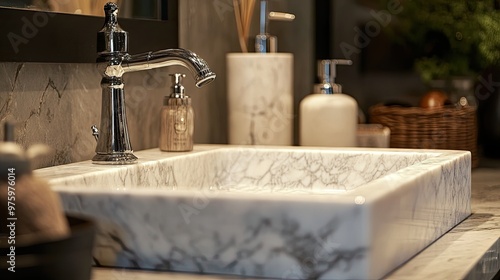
[[110, 8], [111, 38]]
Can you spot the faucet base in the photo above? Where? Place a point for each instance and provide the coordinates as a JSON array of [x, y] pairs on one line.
[[114, 159]]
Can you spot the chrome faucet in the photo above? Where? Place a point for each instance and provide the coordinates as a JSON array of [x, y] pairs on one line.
[[113, 60]]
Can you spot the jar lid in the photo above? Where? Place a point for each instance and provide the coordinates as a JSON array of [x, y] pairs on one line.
[[14, 160]]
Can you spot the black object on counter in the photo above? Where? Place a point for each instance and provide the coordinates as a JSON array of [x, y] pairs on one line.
[[69, 258], [488, 96]]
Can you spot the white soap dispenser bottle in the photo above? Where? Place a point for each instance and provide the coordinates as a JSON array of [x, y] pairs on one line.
[[328, 118]]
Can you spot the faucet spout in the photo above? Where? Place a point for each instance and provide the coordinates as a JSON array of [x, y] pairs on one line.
[[113, 141], [163, 58]]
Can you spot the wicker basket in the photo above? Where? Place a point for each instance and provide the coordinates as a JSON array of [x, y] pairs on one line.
[[437, 128]]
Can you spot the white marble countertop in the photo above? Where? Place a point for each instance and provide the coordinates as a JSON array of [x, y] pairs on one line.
[[471, 250]]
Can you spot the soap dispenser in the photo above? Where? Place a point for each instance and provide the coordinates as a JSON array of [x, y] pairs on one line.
[[177, 119], [328, 118], [264, 42]]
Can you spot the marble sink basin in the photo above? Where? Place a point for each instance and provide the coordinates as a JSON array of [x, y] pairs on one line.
[[286, 213]]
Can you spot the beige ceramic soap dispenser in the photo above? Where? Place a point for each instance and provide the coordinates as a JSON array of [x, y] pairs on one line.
[[328, 118], [177, 119]]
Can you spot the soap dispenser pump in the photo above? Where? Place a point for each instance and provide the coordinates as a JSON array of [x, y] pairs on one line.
[[177, 119], [264, 42], [328, 118]]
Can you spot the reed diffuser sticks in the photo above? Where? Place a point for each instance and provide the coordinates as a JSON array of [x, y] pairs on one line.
[[243, 11]]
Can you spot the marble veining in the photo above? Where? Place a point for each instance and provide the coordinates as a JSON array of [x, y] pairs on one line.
[[354, 214], [260, 98], [253, 170]]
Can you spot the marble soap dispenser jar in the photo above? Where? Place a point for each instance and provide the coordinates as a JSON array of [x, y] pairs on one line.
[[260, 90], [260, 98]]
